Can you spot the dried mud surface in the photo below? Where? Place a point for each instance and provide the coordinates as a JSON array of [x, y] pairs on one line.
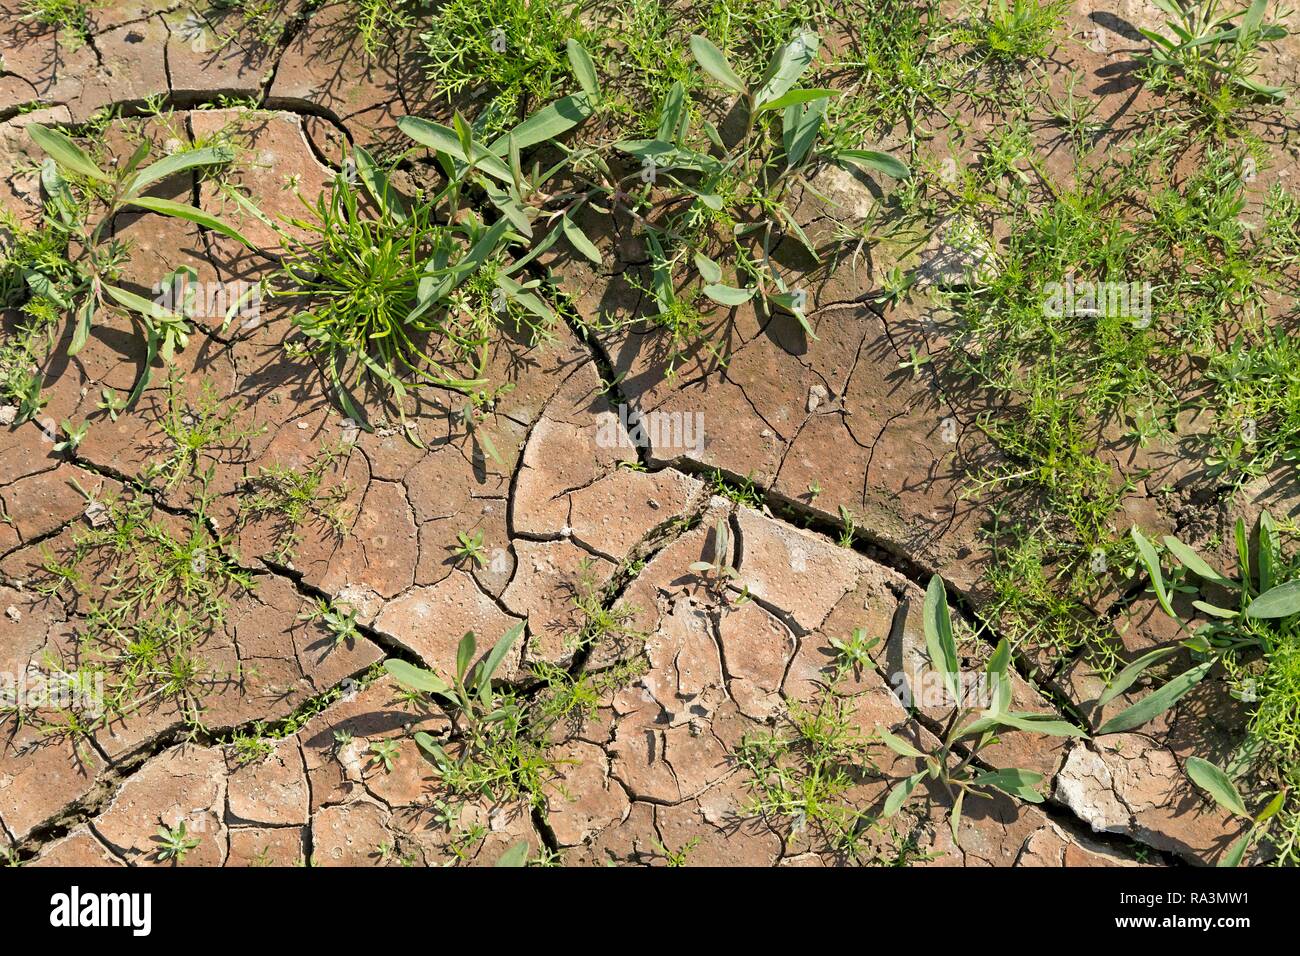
[[654, 769]]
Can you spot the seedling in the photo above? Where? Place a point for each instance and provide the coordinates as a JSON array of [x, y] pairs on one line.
[[953, 765], [854, 653], [386, 753], [74, 436], [175, 843], [718, 571], [470, 548], [340, 622], [678, 857]]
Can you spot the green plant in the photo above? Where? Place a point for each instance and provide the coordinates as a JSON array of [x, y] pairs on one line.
[[854, 654], [1224, 792], [151, 589], [78, 190], [175, 843], [204, 426], [802, 773], [386, 753], [70, 17], [1211, 54], [731, 195], [954, 766], [252, 745], [1257, 642], [340, 622], [514, 48], [678, 857], [470, 548], [1016, 30], [290, 497], [499, 747], [406, 292], [718, 571]]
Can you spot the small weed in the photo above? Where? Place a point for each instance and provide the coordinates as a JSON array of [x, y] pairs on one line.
[[961, 742], [1210, 54], [290, 497], [175, 843]]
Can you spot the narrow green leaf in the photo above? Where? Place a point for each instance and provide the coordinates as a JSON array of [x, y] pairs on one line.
[[1268, 550], [377, 184], [584, 70], [150, 310], [65, 152], [1125, 678], [711, 60], [465, 654], [443, 139], [1017, 783], [671, 114], [547, 123], [579, 239], [499, 650], [81, 332], [898, 796], [1217, 784], [1147, 555], [874, 161], [1196, 564], [800, 125], [795, 98], [898, 745], [1157, 702], [939, 639], [182, 210], [1236, 852], [517, 855], [415, 678], [788, 64], [728, 295], [179, 162]]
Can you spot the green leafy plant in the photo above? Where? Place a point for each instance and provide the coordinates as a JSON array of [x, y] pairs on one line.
[[719, 571], [386, 753], [854, 653], [1211, 53], [70, 17], [1256, 639], [470, 548], [175, 843], [405, 292], [340, 622], [730, 196], [954, 765], [77, 190], [290, 497], [1016, 30], [1224, 792], [514, 48]]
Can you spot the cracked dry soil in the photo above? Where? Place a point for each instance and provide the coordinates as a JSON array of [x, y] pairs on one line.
[[651, 769]]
